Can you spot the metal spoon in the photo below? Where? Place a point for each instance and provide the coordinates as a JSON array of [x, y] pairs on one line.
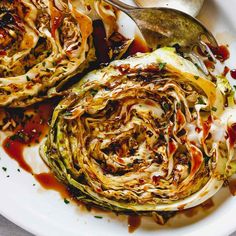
[[167, 27]]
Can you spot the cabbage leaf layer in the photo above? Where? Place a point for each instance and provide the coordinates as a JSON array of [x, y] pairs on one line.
[[143, 134]]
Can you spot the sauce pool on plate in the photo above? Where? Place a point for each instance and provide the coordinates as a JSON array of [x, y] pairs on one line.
[[133, 223]]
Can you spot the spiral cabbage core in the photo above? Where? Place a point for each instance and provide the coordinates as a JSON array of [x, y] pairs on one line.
[[139, 135]]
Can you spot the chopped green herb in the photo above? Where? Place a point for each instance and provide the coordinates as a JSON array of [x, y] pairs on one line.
[[27, 78], [34, 184], [189, 166], [48, 53], [196, 77], [67, 113], [178, 105], [201, 101], [93, 92], [214, 109], [20, 136], [197, 65], [162, 66], [129, 165], [4, 168], [235, 87], [66, 201], [206, 159], [98, 217], [18, 170], [166, 106], [8, 176], [44, 63]]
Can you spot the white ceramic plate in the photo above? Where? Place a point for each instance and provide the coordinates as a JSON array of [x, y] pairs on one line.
[[44, 212]]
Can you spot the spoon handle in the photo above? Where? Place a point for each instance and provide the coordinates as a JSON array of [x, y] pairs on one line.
[[120, 5]]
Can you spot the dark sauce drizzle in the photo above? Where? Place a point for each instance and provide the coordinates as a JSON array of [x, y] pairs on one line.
[[233, 73], [28, 133], [133, 223]]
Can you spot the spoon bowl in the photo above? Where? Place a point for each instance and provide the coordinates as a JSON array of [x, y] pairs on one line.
[[162, 27], [167, 27]]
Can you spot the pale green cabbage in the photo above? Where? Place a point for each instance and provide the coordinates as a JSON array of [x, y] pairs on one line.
[[139, 135]]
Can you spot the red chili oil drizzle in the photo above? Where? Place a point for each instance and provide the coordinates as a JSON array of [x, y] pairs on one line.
[[138, 45], [198, 130], [206, 126], [221, 52], [231, 130], [49, 181], [196, 159], [100, 42], [133, 223], [2, 53], [172, 147], [232, 187], [103, 46], [29, 133], [233, 73], [56, 21], [226, 71], [209, 64], [15, 150]]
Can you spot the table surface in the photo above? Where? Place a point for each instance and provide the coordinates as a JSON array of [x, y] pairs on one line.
[[7, 228]]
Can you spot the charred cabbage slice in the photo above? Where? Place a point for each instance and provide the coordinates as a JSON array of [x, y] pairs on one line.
[[45, 43], [140, 135]]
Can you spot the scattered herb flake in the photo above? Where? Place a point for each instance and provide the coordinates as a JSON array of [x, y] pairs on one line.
[[214, 109], [67, 113], [20, 136], [129, 165], [235, 87], [196, 77], [18, 170], [93, 92], [4, 168], [27, 78], [166, 107], [197, 65], [98, 217], [201, 101], [66, 201], [206, 159], [162, 66]]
